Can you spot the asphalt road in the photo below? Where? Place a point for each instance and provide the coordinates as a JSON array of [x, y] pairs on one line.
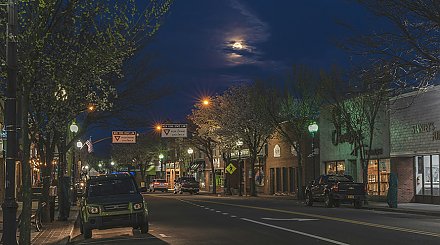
[[204, 219]]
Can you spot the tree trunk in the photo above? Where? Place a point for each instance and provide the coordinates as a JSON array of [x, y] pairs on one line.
[[214, 184], [25, 228], [47, 158], [300, 185]]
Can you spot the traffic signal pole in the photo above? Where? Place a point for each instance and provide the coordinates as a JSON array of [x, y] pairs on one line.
[[10, 204]]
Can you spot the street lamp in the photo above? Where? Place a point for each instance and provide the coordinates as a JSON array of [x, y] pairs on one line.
[[74, 168], [190, 152], [161, 164], [313, 128], [239, 144]]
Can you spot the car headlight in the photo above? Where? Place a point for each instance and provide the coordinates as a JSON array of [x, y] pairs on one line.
[[137, 206], [93, 210]]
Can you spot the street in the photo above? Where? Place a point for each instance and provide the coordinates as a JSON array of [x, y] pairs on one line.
[[207, 219]]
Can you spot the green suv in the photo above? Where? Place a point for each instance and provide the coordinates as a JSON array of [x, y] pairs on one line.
[[112, 201]]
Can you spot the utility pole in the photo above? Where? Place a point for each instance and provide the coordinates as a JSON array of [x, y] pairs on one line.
[[10, 204]]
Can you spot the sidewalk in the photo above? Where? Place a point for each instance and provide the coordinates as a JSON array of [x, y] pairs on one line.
[[410, 208], [57, 232]]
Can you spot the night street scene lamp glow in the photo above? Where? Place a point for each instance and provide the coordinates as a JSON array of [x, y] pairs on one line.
[[161, 156], [79, 144], [239, 143], [190, 151], [313, 128], [74, 128], [205, 101], [112, 163]]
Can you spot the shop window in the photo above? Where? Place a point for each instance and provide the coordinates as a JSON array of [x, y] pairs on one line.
[[435, 175], [337, 167], [285, 180], [427, 175], [378, 176], [419, 175], [259, 176]]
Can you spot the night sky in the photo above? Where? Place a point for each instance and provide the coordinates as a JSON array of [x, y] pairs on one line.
[[205, 46]]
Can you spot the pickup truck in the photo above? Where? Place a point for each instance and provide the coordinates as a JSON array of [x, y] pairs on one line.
[[334, 190], [186, 184]]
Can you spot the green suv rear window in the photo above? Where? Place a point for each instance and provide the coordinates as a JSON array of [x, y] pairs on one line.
[[111, 187]]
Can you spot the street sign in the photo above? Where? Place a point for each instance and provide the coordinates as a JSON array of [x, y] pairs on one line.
[[174, 131], [124, 137], [231, 168]]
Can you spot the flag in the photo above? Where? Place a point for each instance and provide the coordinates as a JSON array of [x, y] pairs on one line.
[[89, 145]]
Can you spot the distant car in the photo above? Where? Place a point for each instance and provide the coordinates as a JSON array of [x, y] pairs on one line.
[[159, 185], [334, 190], [186, 184], [112, 201]]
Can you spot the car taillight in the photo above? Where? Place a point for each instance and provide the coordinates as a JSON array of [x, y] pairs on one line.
[[156, 183], [335, 188]]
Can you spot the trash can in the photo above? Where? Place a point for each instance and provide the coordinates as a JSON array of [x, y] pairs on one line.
[[52, 197]]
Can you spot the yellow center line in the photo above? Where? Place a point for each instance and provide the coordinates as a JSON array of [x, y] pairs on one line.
[[394, 228]]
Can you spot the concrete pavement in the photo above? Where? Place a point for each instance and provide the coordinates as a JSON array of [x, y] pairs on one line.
[[57, 232]]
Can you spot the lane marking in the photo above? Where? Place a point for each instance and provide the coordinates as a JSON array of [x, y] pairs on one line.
[[117, 239], [225, 213], [292, 219], [163, 235], [296, 232], [233, 216], [218, 211], [387, 227]]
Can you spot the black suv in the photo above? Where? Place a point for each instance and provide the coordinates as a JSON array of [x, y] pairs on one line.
[[112, 201]]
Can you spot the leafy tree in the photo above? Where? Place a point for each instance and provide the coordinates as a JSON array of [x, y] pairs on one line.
[[69, 54], [243, 116]]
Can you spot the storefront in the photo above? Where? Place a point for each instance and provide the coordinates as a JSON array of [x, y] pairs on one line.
[[415, 145]]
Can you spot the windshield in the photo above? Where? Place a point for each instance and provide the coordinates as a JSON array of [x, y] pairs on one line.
[[111, 187], [339, 179]]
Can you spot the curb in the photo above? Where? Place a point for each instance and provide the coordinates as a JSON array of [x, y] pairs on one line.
[[66, 240], [407, 211]]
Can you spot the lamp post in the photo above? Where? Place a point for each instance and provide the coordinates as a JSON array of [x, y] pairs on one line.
[[79, 145], [190, 152], [313, 128], [239, 144], [112, 164], [74, 129], [161, 165], [10, 204]]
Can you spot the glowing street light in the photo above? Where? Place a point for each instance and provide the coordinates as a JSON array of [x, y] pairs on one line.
[[79, 144], [112, 163], [313, 128], [190, 151], [74, 128]]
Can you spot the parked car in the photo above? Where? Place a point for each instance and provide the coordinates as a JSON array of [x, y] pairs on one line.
[[334, 190], [186, 184], [158, 184], [112, 201]]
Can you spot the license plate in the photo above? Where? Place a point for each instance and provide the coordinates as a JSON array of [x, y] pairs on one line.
[[350, 196]]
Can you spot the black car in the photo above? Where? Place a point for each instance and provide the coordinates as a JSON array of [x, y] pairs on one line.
[[334, 190], [186, 184], [112, 201]]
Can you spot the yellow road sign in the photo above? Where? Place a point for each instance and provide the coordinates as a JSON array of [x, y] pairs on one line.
[[231, 168]]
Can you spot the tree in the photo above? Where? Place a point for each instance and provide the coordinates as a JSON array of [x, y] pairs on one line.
[[243, 116], [355, 108], [203, 127], [292, 110], [409, 47], [69, 51]]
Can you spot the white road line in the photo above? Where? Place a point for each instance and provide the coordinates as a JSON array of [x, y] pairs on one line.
[[291, 219], [206, 208], [212, 210], [118, 239], [218, 211], [163, 235], [297, 232], [233, 216], [225, 213]]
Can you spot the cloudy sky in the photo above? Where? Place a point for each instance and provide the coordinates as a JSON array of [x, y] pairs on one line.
[[206, 46]]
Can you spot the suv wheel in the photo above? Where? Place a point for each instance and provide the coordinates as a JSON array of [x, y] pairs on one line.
[[328, 202], [87, 232], [144, 227], [309, 200], [358, 204]]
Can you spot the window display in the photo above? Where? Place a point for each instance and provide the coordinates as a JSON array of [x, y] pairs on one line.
[[427, 175], [337, 167], [378, 176]]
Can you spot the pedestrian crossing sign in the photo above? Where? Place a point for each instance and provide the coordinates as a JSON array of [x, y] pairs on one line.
[[231, 168]]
